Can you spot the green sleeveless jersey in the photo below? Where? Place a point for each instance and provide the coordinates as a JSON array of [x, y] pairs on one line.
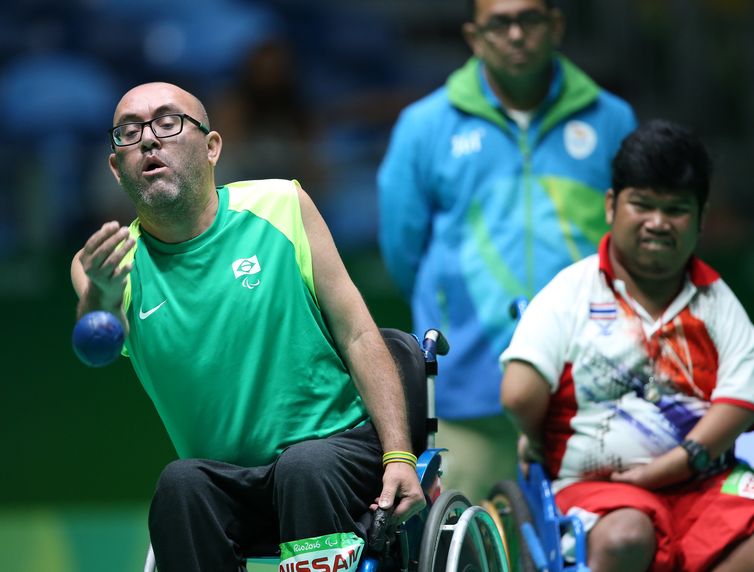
[[227, 336]]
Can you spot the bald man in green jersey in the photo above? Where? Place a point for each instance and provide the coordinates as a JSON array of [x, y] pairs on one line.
[[256, 348]]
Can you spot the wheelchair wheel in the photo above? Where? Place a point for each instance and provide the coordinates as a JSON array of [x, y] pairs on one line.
[[438, 531], [509, 502], [495, 515]]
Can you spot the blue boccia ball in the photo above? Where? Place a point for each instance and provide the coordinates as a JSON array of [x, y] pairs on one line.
[[98, 338]]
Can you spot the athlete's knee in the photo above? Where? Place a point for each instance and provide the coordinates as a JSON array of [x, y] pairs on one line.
[[181, 479], [624, 535], [298, 467]]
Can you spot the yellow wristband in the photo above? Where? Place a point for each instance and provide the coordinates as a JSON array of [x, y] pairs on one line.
[[399, 457]]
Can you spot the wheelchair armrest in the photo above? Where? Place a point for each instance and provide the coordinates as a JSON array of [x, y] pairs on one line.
[[428, 468]]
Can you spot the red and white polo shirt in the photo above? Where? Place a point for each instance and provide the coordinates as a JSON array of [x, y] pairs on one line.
[[626, 388]]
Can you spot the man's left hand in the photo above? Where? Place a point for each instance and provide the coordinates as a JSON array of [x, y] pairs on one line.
[[650, 476], [639, 476], [400, 484]]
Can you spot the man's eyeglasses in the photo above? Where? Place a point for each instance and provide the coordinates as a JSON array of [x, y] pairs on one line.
[[500, 26], [163, 126]]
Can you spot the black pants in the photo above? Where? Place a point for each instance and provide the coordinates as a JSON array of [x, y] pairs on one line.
[[207, 515]]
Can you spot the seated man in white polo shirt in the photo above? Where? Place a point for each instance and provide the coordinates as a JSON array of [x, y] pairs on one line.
[[632, 373]]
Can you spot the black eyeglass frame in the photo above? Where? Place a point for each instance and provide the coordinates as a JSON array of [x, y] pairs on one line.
[[203, 128], [500, 27]]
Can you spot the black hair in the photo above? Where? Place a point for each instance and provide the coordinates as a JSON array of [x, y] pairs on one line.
[[471, 8], [665, 157]]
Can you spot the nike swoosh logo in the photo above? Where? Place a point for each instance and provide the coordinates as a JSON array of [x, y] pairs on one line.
[[144, 315]]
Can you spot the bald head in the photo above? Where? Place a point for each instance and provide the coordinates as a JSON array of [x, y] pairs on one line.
[[150, 100], [167, 168]]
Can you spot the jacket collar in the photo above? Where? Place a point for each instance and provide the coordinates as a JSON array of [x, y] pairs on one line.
[[571, 91]]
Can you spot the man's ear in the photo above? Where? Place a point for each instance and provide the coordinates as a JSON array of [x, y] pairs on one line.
[[703, 217], [610, 199], [468, 30], [214, 147], [112, 161], [558, 26]]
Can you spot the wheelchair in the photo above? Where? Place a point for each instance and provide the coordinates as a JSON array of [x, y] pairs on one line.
[[449, 535], [533, 526]]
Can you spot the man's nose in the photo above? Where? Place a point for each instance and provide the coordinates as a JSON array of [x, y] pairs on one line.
[[148, 138], [515, 31], [657, 220]]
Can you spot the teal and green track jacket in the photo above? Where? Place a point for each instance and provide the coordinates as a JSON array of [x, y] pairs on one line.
[[475, 212]]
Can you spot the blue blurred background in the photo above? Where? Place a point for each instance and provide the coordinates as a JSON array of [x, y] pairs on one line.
[[304, 89]]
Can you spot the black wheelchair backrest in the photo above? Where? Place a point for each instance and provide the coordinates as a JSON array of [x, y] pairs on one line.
[[409, 358]]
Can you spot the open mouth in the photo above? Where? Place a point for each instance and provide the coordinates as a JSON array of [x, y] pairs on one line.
[[152, 166]]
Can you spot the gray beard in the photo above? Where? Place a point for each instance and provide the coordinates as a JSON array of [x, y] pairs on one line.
[[170, 199], [166, 201]]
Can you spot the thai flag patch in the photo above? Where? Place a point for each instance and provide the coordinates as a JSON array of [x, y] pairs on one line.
[[604, 314]]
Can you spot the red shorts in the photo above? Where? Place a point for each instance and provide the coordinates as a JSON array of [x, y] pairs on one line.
[[696, 524]]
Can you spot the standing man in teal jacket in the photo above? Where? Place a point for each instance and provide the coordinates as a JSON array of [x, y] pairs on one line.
[[491, 185]]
